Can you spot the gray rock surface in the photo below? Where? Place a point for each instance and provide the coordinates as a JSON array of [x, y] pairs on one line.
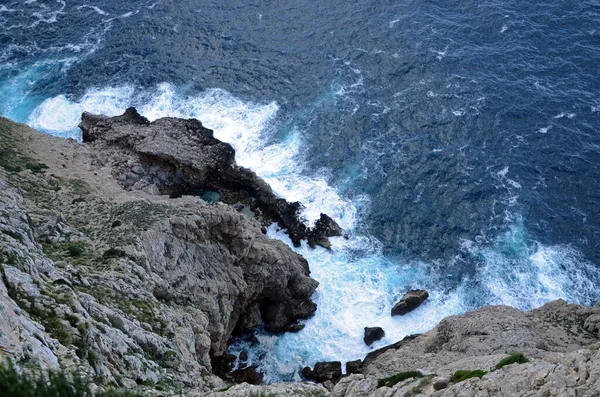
[[564, 358]]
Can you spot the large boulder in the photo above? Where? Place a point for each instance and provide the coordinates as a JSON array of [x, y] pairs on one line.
[[373, 334], [324, 371], [409, 302]]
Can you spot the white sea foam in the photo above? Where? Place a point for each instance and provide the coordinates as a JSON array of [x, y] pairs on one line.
[[46, 16], [358, 284], [97, 9]]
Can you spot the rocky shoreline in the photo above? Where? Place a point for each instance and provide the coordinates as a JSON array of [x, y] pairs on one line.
[[134, 257]]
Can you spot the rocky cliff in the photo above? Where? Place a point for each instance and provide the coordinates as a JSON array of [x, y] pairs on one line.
[[134, 257], [117, 280]]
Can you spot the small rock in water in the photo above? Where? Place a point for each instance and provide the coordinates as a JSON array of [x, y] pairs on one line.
[[373, 334], [409, 302]]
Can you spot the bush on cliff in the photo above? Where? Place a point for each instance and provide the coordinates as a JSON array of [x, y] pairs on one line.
[[50, 384], [463, 374], [399, 377], [514, 358]]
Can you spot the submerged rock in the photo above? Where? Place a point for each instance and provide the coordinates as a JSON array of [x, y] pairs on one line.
[[409, 302], [373, 334]]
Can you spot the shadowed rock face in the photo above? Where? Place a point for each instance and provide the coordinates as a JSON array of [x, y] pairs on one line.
[[176, 156], [324, 371]]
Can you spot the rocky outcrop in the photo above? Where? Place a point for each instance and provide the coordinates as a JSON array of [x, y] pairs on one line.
[[409, 302], [354, 367], [560, 341], [373, 334], [324, 228], [175, 156], [129, 286], [324, 371]]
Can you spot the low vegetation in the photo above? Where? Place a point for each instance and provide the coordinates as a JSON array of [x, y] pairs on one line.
[[49, 384], [513, 358], [463, 374], [399, 377]]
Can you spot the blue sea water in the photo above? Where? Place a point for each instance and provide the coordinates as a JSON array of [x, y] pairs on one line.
[[458, 142]]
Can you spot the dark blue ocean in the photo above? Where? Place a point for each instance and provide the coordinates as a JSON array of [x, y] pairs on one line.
[[458, 141]]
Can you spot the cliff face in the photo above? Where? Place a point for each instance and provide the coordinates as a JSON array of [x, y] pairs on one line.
[[126, 284]]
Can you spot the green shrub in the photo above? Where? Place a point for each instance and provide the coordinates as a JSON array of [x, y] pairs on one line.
[[36, 167], [49, 384], [392, 380], [513, 358], [75, 249], [114, 253], [462, 374]]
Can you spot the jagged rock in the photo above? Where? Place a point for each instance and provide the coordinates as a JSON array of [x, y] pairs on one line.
[[409, 302], [373, 334], [324, 228], [324, 371], [135, 288], [440, 383], [354, 367], [182, 157], [355, 385]]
